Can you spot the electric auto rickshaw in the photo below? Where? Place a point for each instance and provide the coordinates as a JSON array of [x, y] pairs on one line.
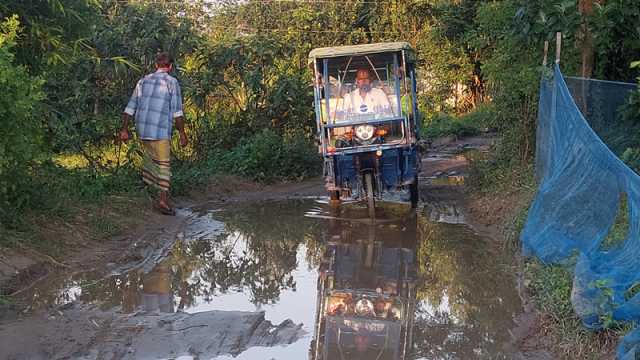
[[367, 120]]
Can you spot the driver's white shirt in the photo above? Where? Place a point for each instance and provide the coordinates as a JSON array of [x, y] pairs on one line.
[[374, 102]]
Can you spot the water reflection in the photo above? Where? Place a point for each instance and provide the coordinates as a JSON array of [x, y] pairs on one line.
[[156, 290], [407, 286], [261, 254], [366, 289], [467, 300], [419, 286]]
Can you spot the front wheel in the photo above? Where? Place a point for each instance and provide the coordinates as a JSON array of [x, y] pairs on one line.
[[334, 198], [371, 203]]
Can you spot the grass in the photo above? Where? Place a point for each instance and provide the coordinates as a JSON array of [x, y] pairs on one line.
[[55, 233], [472, 123], [490, 177], [57, 197], [447, 125], [550, 288], [620, 228]]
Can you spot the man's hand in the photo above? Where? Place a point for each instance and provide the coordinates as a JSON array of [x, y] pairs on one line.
[[180, 126], [183, 139], [123, 135]]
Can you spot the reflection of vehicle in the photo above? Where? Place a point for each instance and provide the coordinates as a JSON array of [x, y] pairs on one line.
[[368, 142], [366, 293]]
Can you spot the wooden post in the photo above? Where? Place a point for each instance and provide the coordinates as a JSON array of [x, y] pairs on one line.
[[546, 52], [558, 46]]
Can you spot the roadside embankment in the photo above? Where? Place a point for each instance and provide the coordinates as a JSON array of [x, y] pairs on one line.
[[498, 200]]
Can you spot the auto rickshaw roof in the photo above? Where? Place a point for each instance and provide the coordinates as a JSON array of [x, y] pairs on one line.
[[364, 49]]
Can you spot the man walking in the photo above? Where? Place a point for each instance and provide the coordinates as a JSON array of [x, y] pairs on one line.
[[157, 104]]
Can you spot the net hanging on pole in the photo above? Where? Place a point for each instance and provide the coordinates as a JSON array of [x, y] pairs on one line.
[[587, 208]]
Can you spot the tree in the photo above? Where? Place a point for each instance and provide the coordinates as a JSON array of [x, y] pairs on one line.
[[21, 132]]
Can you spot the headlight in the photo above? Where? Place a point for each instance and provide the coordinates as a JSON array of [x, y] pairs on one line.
[[365, 132]]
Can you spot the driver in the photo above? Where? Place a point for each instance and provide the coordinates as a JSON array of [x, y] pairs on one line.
[[365, 99]]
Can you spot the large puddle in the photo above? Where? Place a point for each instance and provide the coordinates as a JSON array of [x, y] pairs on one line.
[[405, 286]]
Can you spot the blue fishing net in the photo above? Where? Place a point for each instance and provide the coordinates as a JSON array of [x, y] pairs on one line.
[[587, 207]]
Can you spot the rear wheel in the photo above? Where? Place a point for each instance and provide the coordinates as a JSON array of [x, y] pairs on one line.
[[414, 193], [371, 203]]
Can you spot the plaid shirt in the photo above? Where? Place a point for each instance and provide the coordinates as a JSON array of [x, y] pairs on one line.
[[156, 101]]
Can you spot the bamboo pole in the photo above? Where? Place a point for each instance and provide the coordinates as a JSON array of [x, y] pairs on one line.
[[546, 52]]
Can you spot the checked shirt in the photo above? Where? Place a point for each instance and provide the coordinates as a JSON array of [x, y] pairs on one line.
[[155, 102]]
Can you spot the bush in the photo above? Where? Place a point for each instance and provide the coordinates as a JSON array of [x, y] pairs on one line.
[[264, 157], [267, 156], [482, 117], [631, 157], [448, 125], [21, 132]]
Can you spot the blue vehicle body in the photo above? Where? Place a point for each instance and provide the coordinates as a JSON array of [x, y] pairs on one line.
[[397, 167]]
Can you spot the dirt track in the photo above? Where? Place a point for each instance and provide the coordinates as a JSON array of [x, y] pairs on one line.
[[77, 330]]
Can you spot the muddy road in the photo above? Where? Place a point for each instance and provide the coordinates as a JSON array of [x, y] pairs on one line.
[[287, 276]]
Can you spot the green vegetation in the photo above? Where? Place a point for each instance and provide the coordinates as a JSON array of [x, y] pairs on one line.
[[620, 228], [264, 157], [550, 288], [19, 129], [512, 49], [471, 123], [243, 68], [4, 301], [630, 113]]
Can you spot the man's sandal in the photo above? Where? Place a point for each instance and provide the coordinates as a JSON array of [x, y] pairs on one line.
[[165, 210]]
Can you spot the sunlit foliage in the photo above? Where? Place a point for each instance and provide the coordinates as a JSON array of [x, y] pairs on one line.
[[243, 68]]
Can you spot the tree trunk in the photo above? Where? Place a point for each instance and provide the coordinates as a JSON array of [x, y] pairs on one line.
[[587, 52], [587, 49]]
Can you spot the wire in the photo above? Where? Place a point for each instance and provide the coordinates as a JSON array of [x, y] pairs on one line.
[[222, 4]]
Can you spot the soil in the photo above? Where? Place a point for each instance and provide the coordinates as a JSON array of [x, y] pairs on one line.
[[23, 267]]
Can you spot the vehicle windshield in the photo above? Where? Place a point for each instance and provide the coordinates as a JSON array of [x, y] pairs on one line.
[[358, 90]]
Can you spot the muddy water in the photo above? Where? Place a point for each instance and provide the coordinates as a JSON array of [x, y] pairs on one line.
[[405, 286]]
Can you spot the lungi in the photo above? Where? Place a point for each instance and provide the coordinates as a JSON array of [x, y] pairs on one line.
[[156, 166]]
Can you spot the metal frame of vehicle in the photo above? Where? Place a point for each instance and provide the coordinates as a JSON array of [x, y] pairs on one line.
[[396, 61]]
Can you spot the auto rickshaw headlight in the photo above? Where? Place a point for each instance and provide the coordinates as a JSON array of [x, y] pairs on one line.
[[365, 132]]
